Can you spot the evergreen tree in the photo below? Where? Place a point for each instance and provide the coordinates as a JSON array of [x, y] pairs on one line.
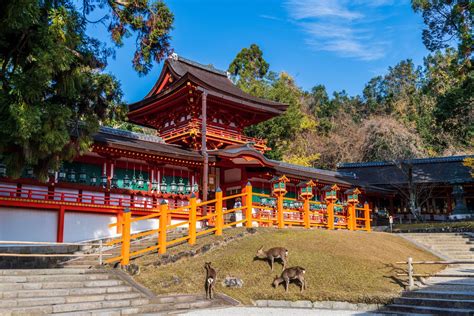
[[53, 92]]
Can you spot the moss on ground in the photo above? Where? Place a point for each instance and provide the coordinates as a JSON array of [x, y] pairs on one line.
[[465, 225], [340, 265]]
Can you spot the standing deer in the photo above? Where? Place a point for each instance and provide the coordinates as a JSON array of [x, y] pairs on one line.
[[293, 273], [272, 254], [211, 276]]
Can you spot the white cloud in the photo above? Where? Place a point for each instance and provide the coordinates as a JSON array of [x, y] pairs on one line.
[[345, 27]]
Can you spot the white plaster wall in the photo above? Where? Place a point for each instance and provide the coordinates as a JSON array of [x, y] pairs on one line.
[[85, 226], [147, 224], [7, 187], [70, 194], [40, 190], [98, 197], [21, 224], [115, 199]]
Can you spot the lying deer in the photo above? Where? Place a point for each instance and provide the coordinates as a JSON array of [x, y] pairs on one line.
[[211, 276], [293, 273], [272, 254]]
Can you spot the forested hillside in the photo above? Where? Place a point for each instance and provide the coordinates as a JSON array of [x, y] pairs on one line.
[[411, 111]]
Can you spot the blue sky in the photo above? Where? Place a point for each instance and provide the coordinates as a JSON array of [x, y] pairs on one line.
[[338, 43]]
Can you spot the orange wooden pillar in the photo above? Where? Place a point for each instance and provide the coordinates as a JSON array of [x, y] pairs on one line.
[[219, 221], [330, 214], [162, 228], [306, 213], [125, 253], [192, 220], [248, 205], [367, 216], [280, 220], [119, 222]]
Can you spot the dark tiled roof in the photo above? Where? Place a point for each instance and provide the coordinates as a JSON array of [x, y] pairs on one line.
[[427, 170], [142, 143], [216, 79]]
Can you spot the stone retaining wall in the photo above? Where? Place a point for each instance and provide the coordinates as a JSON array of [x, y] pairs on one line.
[[319, 305]]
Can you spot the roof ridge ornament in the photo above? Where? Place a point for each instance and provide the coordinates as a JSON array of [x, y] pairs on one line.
[[173, 56]]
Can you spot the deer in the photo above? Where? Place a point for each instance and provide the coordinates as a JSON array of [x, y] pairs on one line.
[[293, 273], [211, 276], [272, 254]]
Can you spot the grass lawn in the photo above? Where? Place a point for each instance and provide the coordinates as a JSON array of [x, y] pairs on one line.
[[434, 225], [340, 265]]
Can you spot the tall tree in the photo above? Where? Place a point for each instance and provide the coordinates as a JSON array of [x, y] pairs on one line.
[[53, 92], [447, 21]]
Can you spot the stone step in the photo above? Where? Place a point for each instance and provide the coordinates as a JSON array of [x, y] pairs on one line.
[[68, 299], [53, 277], [59, 285], [428, 310], [73, 307], [22, 272], [433, 294], [64, 292], [435, 302]]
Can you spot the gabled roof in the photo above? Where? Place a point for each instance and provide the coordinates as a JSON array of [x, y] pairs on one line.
[[215, 81], [139, 142], [445, 170]]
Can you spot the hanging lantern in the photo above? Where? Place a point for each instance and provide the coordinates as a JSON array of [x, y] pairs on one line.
[[103, 181], [173, 187], [134, 180], [62, 174], [188, 187], [71, 175], [114, 182], [154, 185], [279, 185], [180, 186], [3, 170], [140, 181], [82, 176], [195, 187], [126, 181], [163, 185], [263, 200], [93, 179]]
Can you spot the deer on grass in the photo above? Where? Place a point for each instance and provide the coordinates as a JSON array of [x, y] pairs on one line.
[[272, 254], [211, 276], [293, 273]]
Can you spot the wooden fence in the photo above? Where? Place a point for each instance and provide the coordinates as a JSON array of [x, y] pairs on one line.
[[215, 218]]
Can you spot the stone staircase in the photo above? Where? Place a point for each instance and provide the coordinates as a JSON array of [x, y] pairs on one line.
[[110, 252], [82, 287], [83, 292], [449, 292]]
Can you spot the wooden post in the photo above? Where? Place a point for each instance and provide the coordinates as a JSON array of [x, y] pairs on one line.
[[330, 213], [162, 228], [351, 216], [367, 216], [127, 216], [192, 220], [411, 283], [306, 212], [281, 224], [219, 216], [248, 205]]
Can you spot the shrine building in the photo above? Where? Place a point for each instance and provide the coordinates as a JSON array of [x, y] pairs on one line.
[[198, 146]]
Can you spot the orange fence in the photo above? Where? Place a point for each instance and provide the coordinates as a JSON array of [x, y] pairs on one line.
[[214, 218]]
